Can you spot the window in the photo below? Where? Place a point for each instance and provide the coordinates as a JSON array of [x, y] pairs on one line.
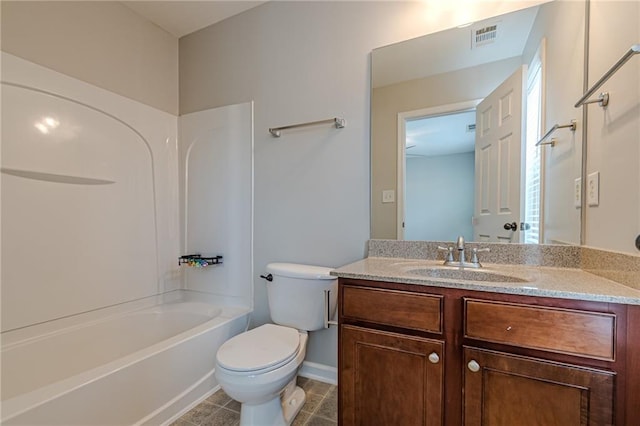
[[533, 208]]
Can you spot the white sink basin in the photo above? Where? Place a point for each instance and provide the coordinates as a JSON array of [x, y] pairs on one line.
[[436, 270], [464, 274]]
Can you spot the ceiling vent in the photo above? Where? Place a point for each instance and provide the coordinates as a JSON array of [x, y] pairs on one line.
[[485, 35]]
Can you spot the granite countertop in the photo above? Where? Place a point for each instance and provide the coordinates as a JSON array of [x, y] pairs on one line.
[[527, 280]]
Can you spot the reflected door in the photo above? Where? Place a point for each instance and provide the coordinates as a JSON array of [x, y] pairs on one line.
[[499, 130]]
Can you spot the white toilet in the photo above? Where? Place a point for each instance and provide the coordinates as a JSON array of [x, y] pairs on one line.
[[258, 368]]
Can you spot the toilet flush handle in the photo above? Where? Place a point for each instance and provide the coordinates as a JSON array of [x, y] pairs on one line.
[[268, 277]]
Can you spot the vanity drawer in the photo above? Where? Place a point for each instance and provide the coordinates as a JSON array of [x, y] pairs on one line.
[[414, 311], [581, 333]]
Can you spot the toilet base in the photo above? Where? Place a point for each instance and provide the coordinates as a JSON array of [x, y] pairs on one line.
[[292, 404], [279, 411]]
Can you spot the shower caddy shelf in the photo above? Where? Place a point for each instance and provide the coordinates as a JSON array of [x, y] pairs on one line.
[[199, 261]]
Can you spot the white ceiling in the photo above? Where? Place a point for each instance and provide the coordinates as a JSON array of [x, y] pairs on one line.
[[441, 135], [184, 17], [451, 49]]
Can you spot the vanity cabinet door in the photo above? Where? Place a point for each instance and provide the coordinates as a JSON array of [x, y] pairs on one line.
[[506, 390], [390, 379]]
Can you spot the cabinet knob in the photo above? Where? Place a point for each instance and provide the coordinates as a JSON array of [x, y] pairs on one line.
[[473, 366], [434, 358]]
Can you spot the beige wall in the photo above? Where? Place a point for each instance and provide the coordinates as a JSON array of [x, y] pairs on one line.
[[103, 43], [613, 137], [386, 102]]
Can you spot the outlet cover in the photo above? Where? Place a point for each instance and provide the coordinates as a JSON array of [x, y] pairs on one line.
[[388, 196], [593, 189], [577, 193]]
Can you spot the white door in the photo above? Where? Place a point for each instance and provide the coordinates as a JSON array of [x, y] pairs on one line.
[[499, 132]]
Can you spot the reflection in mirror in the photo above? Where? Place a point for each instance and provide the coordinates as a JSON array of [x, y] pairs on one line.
[[437, 143], [439, 106]]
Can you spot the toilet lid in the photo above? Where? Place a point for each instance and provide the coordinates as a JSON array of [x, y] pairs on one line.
[[262, 347]]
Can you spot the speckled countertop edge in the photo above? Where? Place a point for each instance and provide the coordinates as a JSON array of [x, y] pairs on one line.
[[558, 281]]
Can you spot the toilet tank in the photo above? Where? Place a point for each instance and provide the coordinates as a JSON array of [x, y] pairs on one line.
[[296, 295]]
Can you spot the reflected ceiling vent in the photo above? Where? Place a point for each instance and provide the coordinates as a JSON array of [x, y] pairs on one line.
[[471, 127], [483, 36]]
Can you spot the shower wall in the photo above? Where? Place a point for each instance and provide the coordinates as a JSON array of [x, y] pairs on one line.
[[216, 177], [89, 197]]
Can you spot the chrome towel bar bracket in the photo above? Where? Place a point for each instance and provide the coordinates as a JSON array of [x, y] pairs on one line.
[[552, 142], [603, 99], [339, 123]]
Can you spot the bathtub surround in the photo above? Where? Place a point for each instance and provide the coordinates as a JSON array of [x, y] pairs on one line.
[[73, 247], [90, 221]]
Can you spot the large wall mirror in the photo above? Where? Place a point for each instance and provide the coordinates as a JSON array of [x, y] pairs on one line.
[[455, 117]]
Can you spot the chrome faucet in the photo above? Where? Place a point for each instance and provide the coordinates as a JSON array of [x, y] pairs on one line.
[[462, 262], [460, 247]]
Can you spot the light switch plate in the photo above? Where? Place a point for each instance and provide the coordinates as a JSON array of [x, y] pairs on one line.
[[577, 193], [388, 196], [593, 189]]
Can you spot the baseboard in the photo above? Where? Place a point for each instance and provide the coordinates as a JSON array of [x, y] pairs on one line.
[[319, 372]]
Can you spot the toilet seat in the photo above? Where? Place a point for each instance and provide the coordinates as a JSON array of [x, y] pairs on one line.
[[260, 350]]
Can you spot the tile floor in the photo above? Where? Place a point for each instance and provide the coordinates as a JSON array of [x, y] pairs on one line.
[[319, 409]]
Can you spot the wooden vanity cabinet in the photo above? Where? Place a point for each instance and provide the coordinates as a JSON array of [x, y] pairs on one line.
[[390, 373], [504, 389], [419, 355], [390, 378]]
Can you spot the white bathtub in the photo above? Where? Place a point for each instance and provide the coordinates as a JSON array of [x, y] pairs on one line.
[[141, 362]]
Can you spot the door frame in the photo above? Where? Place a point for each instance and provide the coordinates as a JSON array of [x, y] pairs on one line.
[[403, 117]]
